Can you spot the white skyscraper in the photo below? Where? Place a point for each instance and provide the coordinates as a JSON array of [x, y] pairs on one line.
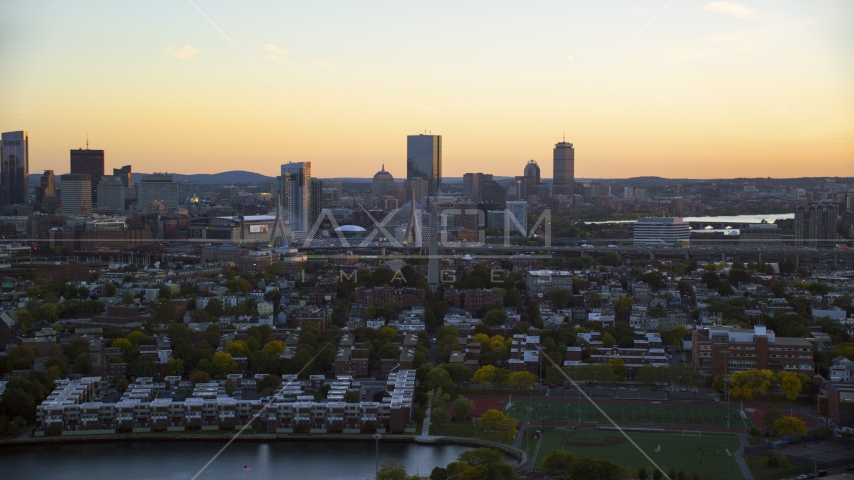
[[76, 194], [295, 194], [158, 187], [111, 194]]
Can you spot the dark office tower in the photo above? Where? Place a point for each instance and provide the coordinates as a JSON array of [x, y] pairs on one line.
[[47, 186], [88, 162], [14, 168], [564, 169], [316, 202], [124, 174], [424, 160]]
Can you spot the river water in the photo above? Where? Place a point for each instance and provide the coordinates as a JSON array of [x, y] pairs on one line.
[[770, 218], [181, 461]]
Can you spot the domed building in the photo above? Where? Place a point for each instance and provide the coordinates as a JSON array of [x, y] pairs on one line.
[[351, 232], [532, 170], [194, 199], [383, 184]]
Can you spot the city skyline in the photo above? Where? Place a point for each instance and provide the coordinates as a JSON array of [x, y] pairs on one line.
[[700, 90]]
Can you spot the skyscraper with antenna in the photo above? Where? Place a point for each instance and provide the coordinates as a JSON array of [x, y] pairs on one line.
[[88, 162]]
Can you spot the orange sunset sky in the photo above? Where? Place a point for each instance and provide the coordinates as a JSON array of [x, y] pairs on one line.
[[670, 88]]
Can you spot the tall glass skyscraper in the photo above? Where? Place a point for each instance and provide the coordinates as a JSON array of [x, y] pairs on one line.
[[14, 168], [295, 194], [564, 169], [424, 160]]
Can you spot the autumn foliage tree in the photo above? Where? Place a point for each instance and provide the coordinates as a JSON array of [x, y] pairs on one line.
[[790, 385], [750, 383], [790, 426], [497, 423]]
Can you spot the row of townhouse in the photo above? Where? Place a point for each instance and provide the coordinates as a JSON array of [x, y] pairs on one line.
[[405, 298], [70, 411]]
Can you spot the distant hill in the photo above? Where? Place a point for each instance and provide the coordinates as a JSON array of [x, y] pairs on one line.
[[236, 177]]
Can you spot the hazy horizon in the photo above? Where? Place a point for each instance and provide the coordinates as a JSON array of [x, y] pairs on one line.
[[697, 89]]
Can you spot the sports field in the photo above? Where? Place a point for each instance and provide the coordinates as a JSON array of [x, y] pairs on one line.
[[687, 417], [705, 454]]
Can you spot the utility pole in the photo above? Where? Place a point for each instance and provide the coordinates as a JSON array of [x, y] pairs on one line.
[[528, 429], [377, 437], [726, 386]]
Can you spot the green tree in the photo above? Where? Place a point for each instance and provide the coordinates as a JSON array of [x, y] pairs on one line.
[[558, 461], [49, 312], [81, 364], [459, 373], [619, 367], [143, 366], [127, 298], [392, 470], [600, 469], [57, 367], [772, 415], [650, 374], [439, 415], [136, 338], [21, 358], [122, 385], [18, 403], [165, 311], [352, 396], [462, 407], [439, 378], [561, 297], [495, 317], [481, 456], [623, 306], [215, 307], [677, 333], [175, 367]]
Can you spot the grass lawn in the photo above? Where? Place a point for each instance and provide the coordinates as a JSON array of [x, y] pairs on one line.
[[705, 454], [761, 472], [466, 430], [690, 417]]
